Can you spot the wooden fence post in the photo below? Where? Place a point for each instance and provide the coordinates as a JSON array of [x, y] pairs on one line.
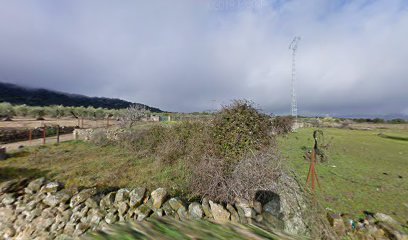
[[44, 133], [58, 134], [30, 135]]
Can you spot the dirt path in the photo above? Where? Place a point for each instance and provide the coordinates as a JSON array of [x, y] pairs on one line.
[[37, 142]]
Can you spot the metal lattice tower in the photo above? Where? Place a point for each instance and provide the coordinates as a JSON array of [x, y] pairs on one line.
[[293, 46]]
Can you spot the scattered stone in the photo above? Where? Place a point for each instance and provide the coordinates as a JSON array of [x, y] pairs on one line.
[[159, 196], [136, 197], [219, 212], [336, 221], [196, 210]]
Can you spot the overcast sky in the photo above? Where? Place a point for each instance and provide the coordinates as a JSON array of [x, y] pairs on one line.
[[193, 55]]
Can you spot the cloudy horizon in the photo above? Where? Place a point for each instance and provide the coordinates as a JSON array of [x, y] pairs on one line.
[[194, 55]]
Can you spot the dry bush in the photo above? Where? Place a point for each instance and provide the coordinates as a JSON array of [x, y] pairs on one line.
[[282, 125], [239, 128], [221, 181]]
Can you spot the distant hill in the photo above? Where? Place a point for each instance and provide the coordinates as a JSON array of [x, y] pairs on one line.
[[16, 94]]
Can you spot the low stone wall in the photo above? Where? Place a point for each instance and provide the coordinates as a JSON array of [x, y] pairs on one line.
[[45, 210]]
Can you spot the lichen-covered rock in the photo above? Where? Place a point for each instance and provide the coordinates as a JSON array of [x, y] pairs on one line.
[[168, 210], [272, 221], [122, 208], [136, 197], [143, 211], [95, 216], [182, 213], [111, 218], [53, 200], [82, 196], [245, 205], [8, 198], [206, 208], [107, 201], [176, 203], [35, 185], [159, 196], [196, 210], [234, 213], [219, 212], [51, 187], [122, 195], [80, 229], [91, 203]]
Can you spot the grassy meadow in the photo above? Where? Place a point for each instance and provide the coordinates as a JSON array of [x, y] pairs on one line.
[[365, 171]]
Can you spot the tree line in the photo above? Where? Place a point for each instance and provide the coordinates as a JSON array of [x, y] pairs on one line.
[[8, 110]]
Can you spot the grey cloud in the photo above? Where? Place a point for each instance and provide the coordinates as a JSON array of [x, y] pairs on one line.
[[183, 55]]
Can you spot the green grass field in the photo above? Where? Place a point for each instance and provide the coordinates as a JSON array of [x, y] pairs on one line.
[[82, 164], [364, 172]]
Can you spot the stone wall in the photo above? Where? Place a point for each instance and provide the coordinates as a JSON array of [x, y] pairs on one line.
[[39, 209], [45, 210]]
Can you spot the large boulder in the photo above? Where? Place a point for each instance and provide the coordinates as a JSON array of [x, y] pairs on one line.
[[219, 212], [176, 203], [159, 196]]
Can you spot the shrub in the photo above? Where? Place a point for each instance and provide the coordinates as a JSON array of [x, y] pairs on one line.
[[99, 137], [240, 128], [218, 180], [282, 125]]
